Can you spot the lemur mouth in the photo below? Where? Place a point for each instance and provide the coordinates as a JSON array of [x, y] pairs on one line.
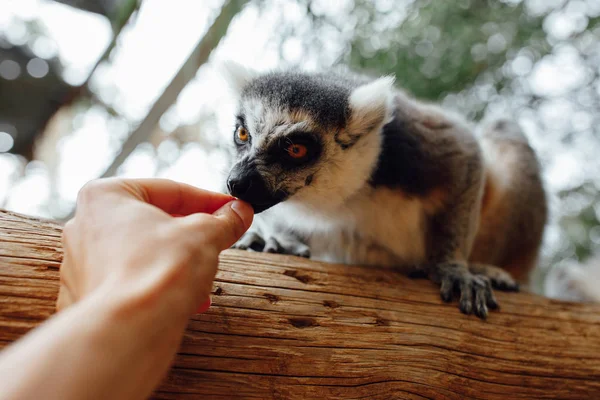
[[266, 202], [261, 201], [249, 186], [258, 208]]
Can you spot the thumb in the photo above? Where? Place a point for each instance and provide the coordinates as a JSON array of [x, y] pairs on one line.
[[234, 219]]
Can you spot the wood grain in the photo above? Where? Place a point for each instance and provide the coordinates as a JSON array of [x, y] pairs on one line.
[[286, 328]]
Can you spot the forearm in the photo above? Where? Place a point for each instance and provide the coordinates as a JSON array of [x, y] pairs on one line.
[[93, 350]]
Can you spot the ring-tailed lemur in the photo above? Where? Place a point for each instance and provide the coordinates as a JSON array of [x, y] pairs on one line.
[[345, 168]]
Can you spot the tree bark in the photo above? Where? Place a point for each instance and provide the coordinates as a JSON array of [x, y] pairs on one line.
[[287, 328]]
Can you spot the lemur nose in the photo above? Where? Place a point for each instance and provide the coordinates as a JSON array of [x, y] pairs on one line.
[[239, 186]]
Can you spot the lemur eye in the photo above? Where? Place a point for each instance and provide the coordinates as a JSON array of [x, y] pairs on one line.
[[297, 150], [242, 135]]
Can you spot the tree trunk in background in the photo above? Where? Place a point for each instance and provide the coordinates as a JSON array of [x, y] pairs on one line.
[[102, 7], [287, 328], [187, 72]]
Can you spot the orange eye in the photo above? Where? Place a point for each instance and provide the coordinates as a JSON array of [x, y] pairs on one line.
[[297, 150], [242, 134]]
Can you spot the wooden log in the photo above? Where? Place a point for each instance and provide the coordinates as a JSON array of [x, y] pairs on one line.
[[287, 328]]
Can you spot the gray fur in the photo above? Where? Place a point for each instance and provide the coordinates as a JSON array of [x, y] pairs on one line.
[[325, 96]]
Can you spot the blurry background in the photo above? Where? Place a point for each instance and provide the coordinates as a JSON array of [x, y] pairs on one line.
[[92, 88]]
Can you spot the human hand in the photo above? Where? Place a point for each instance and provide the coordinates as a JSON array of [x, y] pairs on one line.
[[137, 273], [125, 244]]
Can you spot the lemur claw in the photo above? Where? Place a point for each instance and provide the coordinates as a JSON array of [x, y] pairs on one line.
[[476, 294]]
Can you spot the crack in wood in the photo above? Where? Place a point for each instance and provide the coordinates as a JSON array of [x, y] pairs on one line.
[[297, 275]]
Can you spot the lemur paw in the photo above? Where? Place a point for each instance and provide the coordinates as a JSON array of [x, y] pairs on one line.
[[286, 245], [283, 244], [476, 294], [499, 278], [250, 241]]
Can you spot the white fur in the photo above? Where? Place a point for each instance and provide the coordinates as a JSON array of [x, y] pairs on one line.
[[373, 100], [372, 227], [261, 121], [372, 96]]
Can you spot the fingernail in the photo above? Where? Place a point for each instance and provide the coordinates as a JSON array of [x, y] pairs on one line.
[[204, 306], [244, 211]]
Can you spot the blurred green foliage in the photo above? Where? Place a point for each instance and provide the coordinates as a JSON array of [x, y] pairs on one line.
[[442, 47]]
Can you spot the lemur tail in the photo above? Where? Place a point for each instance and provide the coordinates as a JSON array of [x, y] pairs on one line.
[[574, 282]]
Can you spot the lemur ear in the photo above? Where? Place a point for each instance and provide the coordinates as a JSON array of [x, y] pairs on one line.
[[371, 105], [236, 75]]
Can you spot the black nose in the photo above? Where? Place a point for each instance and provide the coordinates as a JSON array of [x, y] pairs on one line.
[[239, 186], [249, 185]]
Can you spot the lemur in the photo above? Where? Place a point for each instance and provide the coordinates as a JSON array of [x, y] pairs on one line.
[[346, 168]]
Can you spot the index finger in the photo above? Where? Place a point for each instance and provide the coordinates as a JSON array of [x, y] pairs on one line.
[[176, 198]]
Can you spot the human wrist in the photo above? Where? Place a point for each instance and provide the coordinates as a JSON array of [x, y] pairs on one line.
[[96, 348], [142, 302], [130, 348]]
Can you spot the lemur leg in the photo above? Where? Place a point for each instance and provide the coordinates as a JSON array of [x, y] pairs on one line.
[[262, 237], [450, 238]]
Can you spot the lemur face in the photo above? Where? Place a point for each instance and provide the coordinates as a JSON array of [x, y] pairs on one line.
[[308, 138], [278, 153]]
